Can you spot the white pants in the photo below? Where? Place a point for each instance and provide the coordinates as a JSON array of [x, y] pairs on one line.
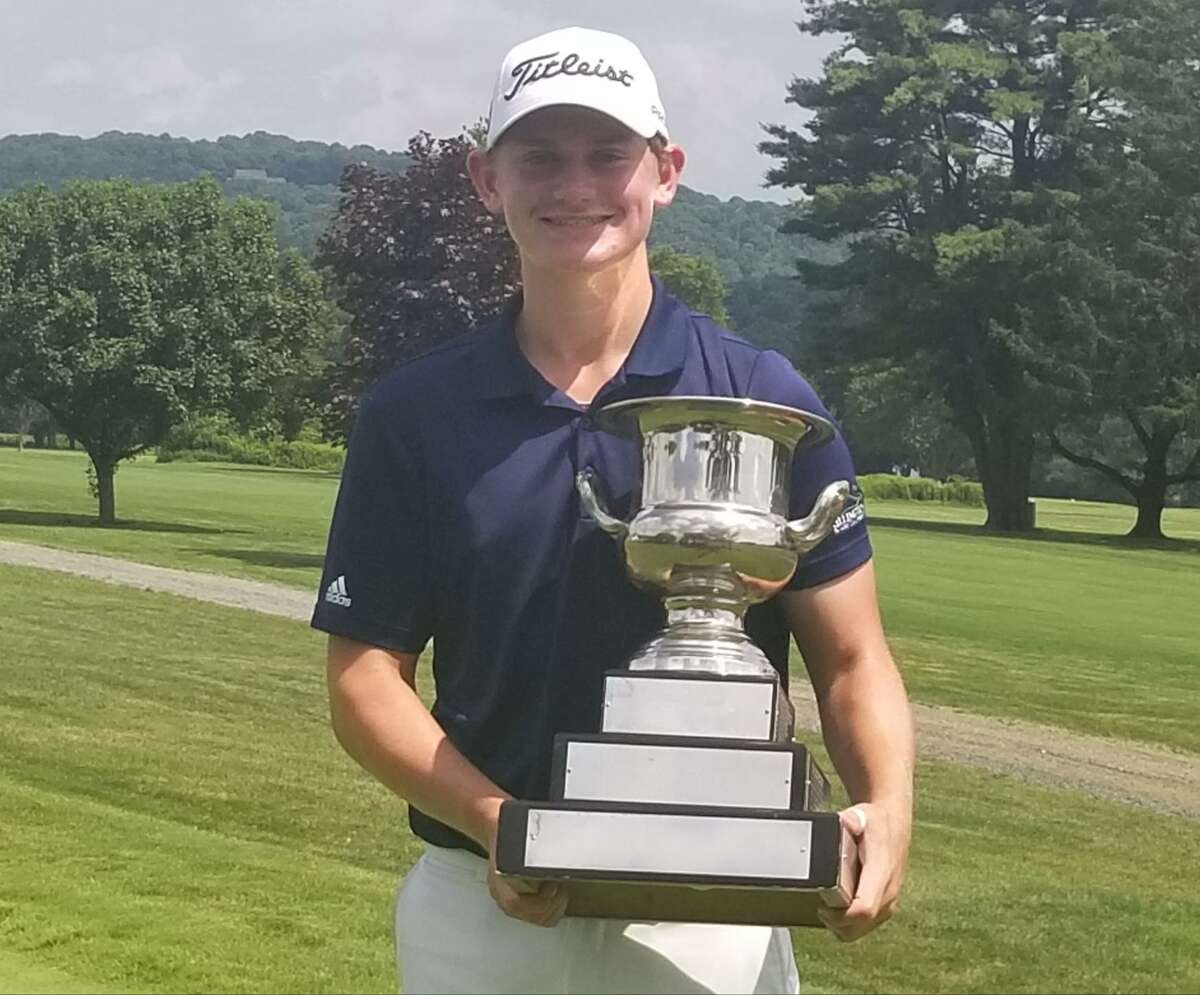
[[452, 937]]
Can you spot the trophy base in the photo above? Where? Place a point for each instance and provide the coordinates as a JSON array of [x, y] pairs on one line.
[[682, 863], [684, 903]]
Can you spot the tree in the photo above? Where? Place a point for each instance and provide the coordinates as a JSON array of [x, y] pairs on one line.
[[945, 134], [124, 309], [695, 281], [18, 414], [890, 420], [415, 259], [1132, 245]]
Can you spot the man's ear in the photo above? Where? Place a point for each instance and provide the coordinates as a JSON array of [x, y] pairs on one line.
[[670, 164], [483, 178]]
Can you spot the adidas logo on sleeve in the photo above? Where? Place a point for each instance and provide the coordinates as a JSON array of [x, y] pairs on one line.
[[336, 594]]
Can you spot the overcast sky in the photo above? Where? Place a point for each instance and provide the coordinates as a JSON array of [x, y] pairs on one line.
[[376, 71]]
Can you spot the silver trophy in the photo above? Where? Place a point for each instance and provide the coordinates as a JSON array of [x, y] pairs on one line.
[[693, 802]]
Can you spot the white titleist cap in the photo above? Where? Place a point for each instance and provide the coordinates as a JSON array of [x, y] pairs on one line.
[[581, 67]]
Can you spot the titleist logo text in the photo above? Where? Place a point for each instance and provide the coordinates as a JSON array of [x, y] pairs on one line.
[[549, 65]]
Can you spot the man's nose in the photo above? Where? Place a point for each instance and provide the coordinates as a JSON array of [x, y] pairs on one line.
[[574, 179]]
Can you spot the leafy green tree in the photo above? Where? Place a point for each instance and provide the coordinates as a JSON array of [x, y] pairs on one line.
[[695, 281], [945, 134], [123, 309], [1129, 275], [890, 420], [18, 414]]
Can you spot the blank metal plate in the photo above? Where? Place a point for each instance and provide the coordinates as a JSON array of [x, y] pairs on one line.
[[678, 706], [676, 844], [675, 774]]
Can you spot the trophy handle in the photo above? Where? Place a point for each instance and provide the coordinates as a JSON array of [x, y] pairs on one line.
[[804, 533], [585, 483]]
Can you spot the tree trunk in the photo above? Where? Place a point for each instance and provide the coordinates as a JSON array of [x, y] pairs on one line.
[[1152, 494], [105, 471], [1003, 450], [291, 423], [1005, 473], [1149, 515]]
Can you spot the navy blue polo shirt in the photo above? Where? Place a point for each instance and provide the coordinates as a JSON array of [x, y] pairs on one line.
[[457, 520]]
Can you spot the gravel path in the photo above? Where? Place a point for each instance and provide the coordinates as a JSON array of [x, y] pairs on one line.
[[271, 599], [1116, 769], [1119, 770]]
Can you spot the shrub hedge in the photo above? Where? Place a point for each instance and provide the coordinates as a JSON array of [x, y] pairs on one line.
[[213, 442], [886, 486]]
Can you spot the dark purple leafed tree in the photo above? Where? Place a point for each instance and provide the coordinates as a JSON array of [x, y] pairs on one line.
[[415, 259]]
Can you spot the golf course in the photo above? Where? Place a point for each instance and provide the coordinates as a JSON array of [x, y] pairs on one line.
[[178, 817]]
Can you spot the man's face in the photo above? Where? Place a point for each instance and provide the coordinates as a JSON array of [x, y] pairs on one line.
[[577, 189]]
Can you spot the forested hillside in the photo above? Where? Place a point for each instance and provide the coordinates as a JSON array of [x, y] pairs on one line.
[[742, 236], [53, 159], [766, 303]]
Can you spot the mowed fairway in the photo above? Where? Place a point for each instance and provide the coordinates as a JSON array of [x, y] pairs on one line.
[[1077, 627], [177, 818], [175, 811], [244, 521]]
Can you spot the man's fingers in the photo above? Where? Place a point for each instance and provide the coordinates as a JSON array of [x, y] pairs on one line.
[[542, 907], [854, 818], [556, 909], [522, 886], [872, 880], [848, 930]]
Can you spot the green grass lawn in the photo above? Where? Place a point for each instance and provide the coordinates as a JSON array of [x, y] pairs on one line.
[[20, 976], [1076, 627], [1088, 636], [245, 521], [177, 817]]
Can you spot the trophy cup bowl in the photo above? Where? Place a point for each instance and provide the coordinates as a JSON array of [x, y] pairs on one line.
[[710, 532]]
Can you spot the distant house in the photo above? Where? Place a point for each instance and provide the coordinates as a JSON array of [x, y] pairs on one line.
[[257, 174]]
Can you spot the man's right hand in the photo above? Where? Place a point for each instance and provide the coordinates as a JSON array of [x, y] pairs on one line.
[[541, 903]]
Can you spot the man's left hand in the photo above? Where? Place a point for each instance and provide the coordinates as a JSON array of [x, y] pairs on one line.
[[882, 837]]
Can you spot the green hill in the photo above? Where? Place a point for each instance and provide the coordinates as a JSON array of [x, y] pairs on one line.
[[54, 159]]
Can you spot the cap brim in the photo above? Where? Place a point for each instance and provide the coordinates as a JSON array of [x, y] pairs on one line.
[[637, 129]]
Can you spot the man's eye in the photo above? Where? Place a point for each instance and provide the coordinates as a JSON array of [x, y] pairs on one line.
[[611, 155], [537, 158]]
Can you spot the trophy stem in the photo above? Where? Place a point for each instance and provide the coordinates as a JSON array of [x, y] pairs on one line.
[[703, 614]]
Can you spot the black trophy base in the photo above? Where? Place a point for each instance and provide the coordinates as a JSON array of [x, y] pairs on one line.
[[682, 863]]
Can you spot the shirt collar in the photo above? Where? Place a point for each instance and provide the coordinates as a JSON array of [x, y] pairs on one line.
[[660, 348]]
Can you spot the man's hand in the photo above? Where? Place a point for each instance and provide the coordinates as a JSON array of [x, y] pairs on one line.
[[882, 839], [541, 903]]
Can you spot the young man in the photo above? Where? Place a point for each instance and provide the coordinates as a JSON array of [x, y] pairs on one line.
[[458, 520]]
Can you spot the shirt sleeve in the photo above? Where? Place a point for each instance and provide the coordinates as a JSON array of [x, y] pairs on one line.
[[813, 469], [376, 586]]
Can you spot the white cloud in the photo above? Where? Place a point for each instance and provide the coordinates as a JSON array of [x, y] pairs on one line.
[[147, 74], [67, 72]]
